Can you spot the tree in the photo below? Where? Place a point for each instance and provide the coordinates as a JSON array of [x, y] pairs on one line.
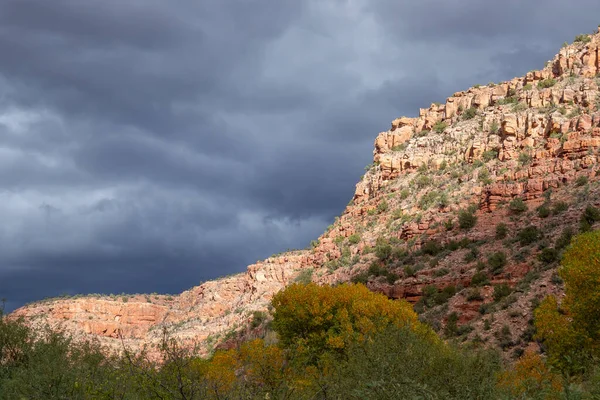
[[316, 319], [570, 331], [530, 377]]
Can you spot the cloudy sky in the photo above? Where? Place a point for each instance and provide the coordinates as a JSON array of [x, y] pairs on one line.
[[146, 146]]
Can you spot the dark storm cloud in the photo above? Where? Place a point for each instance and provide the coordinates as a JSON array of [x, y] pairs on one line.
[[146, 146]]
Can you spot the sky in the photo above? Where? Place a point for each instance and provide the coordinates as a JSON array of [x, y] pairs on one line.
[[147, 146]]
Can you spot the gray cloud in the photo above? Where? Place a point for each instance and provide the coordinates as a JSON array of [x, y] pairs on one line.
[[146, 146]]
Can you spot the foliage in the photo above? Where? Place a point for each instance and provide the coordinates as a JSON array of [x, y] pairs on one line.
[[479, 279], [528, 235], [354, 238], [466, 219], [583, 38], [517, 205], [500, 291], [546, 83], [399, 364], [469, 113], [305, 276], [529, 378], [497, 261], [440, 127], [571, 331], [315, 319], [501, 230]]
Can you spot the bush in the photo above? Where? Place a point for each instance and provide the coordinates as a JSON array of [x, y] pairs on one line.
[[490, 155], [528, 235], [494, 127], [501, 231], [480, 279], [431, 247], [548, 255], [305, 276], [500, 291], [466, 219], [474, 295], [354, 238], [546, 83], [581, 180], [583, 38], [543, 211], [497, 261], [383, 250], [517, 205], [440, 127], [451, 325], [524, 158], [258, 318], [469, 113], [564, 239], [560, 207]]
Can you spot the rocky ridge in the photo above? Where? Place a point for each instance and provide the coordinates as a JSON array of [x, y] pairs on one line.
[[522, 154]]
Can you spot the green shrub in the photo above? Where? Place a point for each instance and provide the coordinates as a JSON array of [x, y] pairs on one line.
[[354, 238], [474, 294], [583, 38], [517, 205], [490, 155], [466, 219], [500, 291], [382, 207], [560, 207], [258, 317], [543, 211], [494, 127], [548, 255], [524, 158], [480, 279], [469, 113], [440, 127], [431, 247], [581, 180], [528, 235], [546, 83], [451, 325], [527, 87], [497, 261], [501, 231], [304, 277], [383, 250], [564, 239], [590, 215]]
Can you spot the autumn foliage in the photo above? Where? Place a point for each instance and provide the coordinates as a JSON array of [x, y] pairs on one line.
[[570, 330], [317, 319], [530, 376]]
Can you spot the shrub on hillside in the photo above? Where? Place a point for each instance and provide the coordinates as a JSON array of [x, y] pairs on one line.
[[517, 205], [466, 219], [528, 235]]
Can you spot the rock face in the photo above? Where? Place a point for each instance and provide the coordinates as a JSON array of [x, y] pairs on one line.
[[534, 138]]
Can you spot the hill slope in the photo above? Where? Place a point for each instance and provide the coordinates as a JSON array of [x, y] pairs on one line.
[[464, 212]]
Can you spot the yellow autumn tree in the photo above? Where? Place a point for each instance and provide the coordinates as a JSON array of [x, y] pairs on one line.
[[570, 331], [253, 369], [530, 377], [317, 319]]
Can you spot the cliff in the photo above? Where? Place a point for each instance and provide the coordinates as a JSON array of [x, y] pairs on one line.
[[474, 194]]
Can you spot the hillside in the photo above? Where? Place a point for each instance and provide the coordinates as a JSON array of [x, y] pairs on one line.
[[463, 212]]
